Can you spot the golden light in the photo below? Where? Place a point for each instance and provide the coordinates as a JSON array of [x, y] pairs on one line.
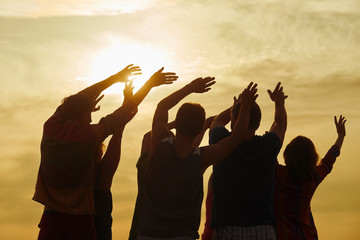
[[117, 56]]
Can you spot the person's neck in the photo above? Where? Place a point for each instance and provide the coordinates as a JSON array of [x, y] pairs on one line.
[[183, 145]]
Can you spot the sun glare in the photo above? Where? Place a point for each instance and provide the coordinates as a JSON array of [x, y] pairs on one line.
[[114, 58]]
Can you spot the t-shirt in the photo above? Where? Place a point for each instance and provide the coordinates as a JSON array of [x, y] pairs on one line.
[[292, 200], [173, 193], [68, 152], [243, 183]]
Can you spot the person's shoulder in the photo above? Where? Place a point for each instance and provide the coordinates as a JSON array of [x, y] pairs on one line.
[[271, 141], [271, 137], [218, 133]]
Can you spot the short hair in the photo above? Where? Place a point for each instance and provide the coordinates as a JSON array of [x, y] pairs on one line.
[[255, 115], [301, 158], [190, 119], [75, 105]]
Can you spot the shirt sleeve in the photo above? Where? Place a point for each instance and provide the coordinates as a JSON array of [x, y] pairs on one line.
[[326, 164], [217, 134]]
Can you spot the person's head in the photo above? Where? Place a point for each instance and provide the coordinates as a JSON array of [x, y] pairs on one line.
[[301, 158], [77, 107], [190, 119], [255, 115]]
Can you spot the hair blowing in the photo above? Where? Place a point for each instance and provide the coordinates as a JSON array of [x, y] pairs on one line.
[[301, 158]]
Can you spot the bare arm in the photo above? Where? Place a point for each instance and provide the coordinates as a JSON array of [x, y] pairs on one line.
[[340, 128], [224, 117], [280, 121], [214, 153], [124, 113], [111, 159], [94, 91], [206, 126], [160, 120]]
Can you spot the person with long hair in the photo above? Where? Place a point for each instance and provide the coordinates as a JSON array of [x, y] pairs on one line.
[[296, 183]]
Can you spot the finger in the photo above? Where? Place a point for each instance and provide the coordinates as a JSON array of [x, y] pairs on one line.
[[254, 87], [277, 86], [210, 84], [128, 66], [269, 92], [281, 89], [99, 99], [209, 78], [249, 86], [160, 70], [335, 120], [234, 99]]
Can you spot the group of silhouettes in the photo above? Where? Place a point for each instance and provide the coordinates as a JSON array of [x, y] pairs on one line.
[[250, 195]]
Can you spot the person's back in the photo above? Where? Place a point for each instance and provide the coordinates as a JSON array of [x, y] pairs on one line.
[[175, 193], [296, 183], [243, 183]]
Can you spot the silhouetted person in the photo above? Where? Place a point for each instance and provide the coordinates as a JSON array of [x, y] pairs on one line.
[[297, 181], [173, 177], [141, 166], [104, 173], [68, 150], [243, 183], [208, 233]]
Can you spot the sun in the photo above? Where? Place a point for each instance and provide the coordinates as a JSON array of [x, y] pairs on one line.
[[115, 57]]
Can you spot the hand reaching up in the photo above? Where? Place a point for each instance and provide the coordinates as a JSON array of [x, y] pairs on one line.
[[128, 71], [248, 96], [128, 90], [201, 85], [340, 126], [160, 78], [277, 95]]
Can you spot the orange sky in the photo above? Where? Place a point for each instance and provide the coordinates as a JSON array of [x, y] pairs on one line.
[[49, 50]]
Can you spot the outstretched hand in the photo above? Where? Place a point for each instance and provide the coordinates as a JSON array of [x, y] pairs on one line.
[[128, 90], [278, 95], [340, 126], [248, 96], [201, 85], [128, 71], [160, 78]]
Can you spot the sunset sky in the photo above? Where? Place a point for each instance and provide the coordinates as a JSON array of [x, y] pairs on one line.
[[52, 49]]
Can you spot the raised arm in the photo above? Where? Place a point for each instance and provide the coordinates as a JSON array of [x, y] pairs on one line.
[[111, 159], [326, 164], [124, 113], [280, 121], [206, 126], [160, 120], [214, 153], [340, 128], [94, 91]]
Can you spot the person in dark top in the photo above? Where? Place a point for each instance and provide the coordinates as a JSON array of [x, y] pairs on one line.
[[104, 173], [243, 183], [296, 183], [173, 191], [68, 151], [141, 166]]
